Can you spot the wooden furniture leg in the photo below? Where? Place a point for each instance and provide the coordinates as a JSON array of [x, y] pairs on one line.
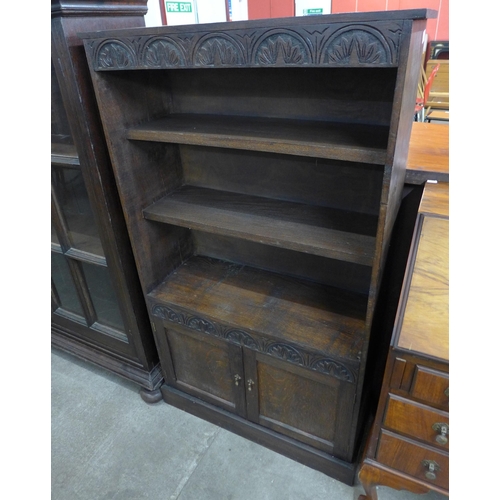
[[150, 397], [372, 476]]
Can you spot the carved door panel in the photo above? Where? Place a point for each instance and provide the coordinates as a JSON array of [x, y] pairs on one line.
[[206, 367], [302, 404]]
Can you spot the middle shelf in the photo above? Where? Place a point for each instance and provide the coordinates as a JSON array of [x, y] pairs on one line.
[[322, 231], [322, 139]]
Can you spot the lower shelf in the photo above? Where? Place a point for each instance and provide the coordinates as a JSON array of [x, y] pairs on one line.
[[212, 293], [306, 455]]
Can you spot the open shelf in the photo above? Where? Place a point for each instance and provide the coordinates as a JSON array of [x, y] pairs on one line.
[[311, 229], [322, 139], [282, 308]]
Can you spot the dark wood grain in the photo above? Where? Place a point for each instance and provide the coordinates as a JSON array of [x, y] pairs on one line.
[[326, 232], [323, 318], [248, 155], [320, 139], [351, 187]]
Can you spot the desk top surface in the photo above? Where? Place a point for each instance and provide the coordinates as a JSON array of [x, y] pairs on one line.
[[422, 325], [428, 154]]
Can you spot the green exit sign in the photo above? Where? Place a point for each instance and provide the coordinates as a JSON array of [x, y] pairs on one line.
[[179, 7], [312, 12]]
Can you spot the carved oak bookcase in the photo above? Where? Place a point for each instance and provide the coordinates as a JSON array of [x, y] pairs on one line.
[[260, 166], [98, 309]]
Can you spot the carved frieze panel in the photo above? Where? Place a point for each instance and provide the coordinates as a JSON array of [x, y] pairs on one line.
[[336, 44], [282, 350]]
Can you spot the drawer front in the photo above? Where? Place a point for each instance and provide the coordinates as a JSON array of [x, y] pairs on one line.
[[431, 386], [417, 461], [418, 421]]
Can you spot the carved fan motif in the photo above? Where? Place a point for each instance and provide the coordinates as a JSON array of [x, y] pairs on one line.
[[166, 313], [280, 50], [162, 54], [357, 46], [201, 325], [115, 55], [331, 367], [241, 337], [217, 52], [286, 352]]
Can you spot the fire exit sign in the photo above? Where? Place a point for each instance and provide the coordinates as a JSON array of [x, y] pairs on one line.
[[313, 12], [179, 7], [312, 7]]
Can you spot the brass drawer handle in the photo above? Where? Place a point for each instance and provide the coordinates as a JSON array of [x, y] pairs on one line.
[[250, 384], [432, 467], [237, 379], [443, 431]]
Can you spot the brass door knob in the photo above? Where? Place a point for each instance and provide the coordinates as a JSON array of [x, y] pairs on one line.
[[443, 431], [237, 379], [250, 384], [432, 467]]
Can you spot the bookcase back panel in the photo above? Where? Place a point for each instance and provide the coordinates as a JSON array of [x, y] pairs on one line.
[[348, 95], [344, 185], [344, 275]]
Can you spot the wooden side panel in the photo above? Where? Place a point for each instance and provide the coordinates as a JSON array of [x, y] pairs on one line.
[[144, 172]]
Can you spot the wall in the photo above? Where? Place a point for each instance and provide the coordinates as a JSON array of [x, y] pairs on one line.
[[153, 16], [437, 29]]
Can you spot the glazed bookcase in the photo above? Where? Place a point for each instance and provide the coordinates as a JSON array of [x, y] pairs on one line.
[[98, 311], [260, 166]]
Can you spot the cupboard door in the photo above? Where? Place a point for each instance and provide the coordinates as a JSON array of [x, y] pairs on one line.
[[305, 405], [206, 367]]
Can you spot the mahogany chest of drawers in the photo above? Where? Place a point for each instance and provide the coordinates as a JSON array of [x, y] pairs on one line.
[[408, 446]]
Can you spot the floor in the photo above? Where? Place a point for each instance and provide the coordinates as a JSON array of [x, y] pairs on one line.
[[107, 444]]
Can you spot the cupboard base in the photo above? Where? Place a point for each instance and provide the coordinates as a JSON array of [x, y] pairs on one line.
[[306, 455]]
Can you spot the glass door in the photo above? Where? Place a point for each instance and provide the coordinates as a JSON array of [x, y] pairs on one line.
[[82, 289]]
